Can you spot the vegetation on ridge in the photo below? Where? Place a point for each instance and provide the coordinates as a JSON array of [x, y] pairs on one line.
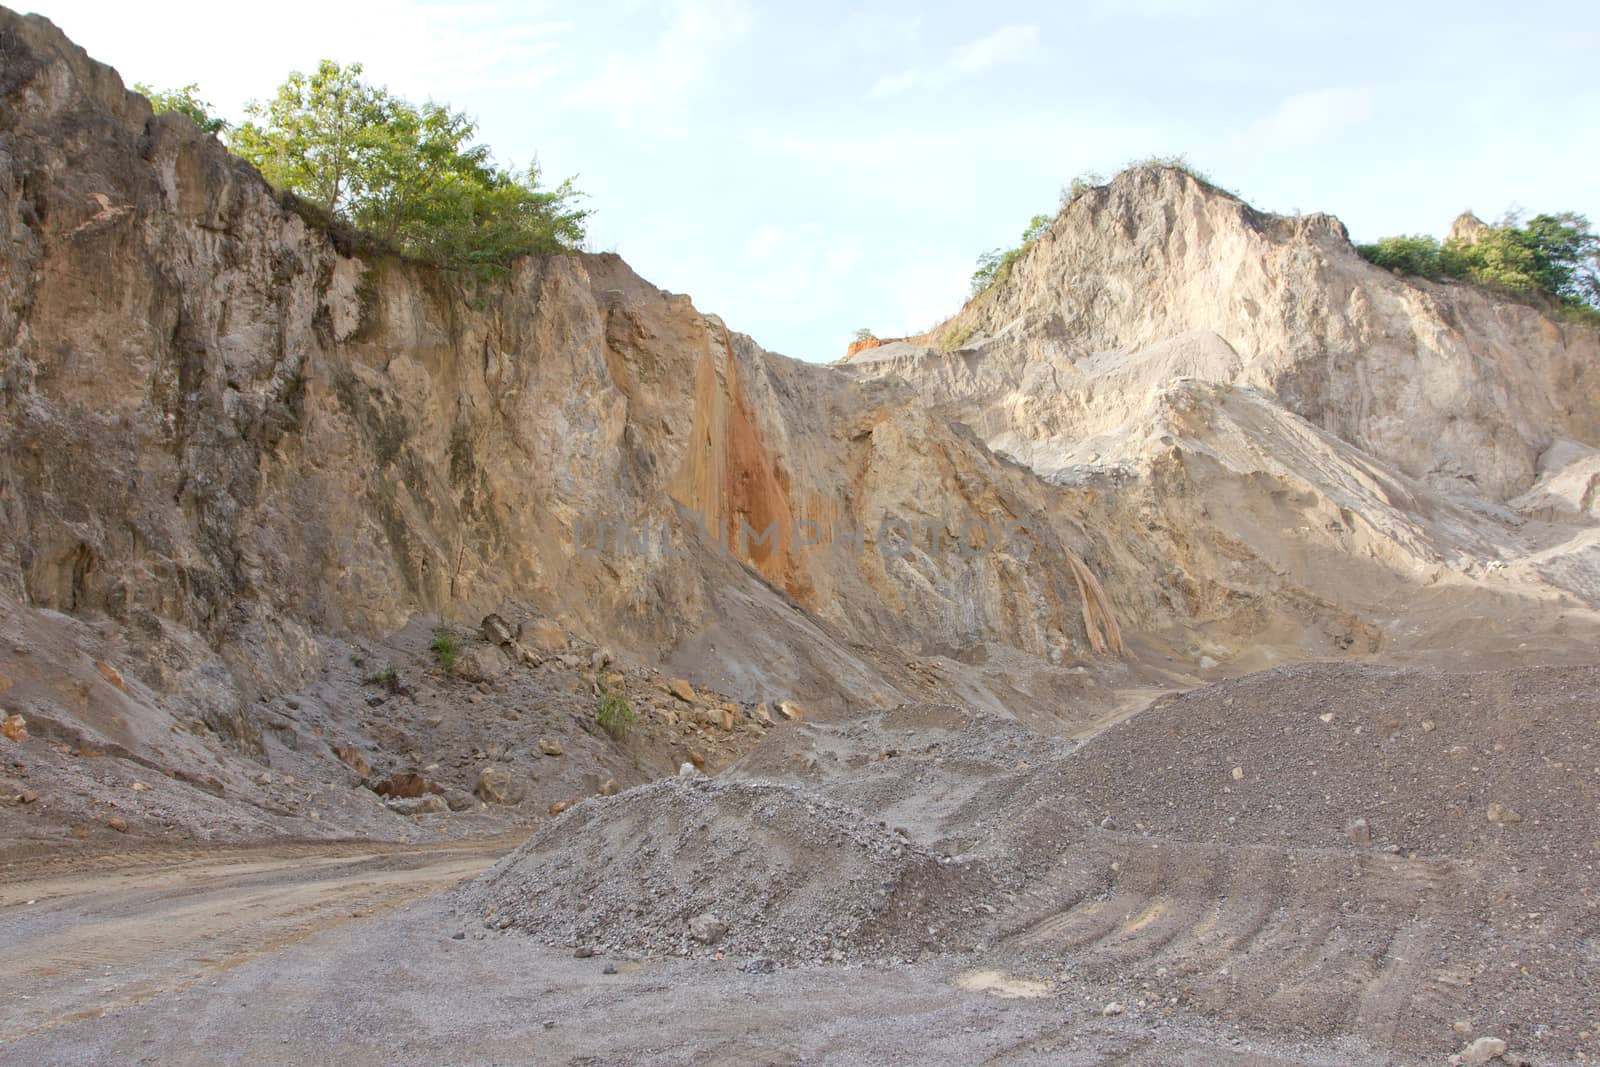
[[408, 177], [185, 101], [995, 265], [1555, 258]]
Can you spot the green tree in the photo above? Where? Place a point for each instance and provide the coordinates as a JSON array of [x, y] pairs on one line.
[[1408, 255], [1553, 257], [318, 135], [410, 175], [185, 101]]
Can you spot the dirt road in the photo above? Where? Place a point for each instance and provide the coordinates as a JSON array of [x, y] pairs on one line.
[[81, 935]]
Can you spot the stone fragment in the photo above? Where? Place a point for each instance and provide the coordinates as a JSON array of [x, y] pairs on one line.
[[1501, 815], [15, 728], [496, 630], [495, 785], [707, 929], [1482, 1050]]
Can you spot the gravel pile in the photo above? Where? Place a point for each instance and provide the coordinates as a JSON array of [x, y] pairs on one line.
[[694, 865], [1332, 755]]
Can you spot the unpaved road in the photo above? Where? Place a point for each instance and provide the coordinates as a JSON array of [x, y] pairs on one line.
[[83, 935]]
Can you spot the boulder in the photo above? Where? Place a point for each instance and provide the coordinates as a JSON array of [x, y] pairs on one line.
[[496, 630], [707, 929], [496, 785]]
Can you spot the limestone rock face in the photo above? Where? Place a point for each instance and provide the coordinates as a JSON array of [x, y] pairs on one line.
[[219, 422], [1156, 277], [1287, 437]]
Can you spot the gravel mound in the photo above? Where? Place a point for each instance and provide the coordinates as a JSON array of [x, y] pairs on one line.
[[697, 865], [1469, 765]]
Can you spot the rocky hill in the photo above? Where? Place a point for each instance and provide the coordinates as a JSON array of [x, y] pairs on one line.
[[1293, 439]]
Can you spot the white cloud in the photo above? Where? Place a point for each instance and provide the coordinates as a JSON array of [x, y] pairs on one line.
[[1306, 118], [655, 84], [766, 241], [1008, 44]]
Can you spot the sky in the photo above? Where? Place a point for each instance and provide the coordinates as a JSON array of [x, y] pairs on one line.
[[805, 170]]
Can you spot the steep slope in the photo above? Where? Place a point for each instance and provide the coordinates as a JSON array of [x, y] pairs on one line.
[[1309, 451]]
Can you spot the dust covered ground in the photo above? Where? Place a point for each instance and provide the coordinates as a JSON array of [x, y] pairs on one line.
[[1322, 864]]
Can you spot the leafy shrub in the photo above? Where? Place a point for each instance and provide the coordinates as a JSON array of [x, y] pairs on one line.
[[444, 646], [1080, 185], [185, 101], [1408, 255], [613, 714], [1553, 258], [995, 265], [865, 334], [408, 175]]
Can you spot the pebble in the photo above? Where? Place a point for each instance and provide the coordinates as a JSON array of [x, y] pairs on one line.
[[1112, 1009], [1501, 815], [610, 968], [1482, 1051]]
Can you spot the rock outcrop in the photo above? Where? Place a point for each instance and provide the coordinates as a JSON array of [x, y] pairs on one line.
[[1304, 449]]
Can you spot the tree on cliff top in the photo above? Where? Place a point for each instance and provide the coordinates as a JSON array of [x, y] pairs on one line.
[[1553, 257], [186, 101], [409, 175]]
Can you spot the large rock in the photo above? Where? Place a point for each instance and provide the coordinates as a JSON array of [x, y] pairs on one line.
[[496, 785]]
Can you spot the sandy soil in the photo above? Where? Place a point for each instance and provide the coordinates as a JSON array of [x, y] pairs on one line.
[[286, 955]]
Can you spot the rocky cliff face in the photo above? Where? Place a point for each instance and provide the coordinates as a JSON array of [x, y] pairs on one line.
[[1306, 449], [221, 425]]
